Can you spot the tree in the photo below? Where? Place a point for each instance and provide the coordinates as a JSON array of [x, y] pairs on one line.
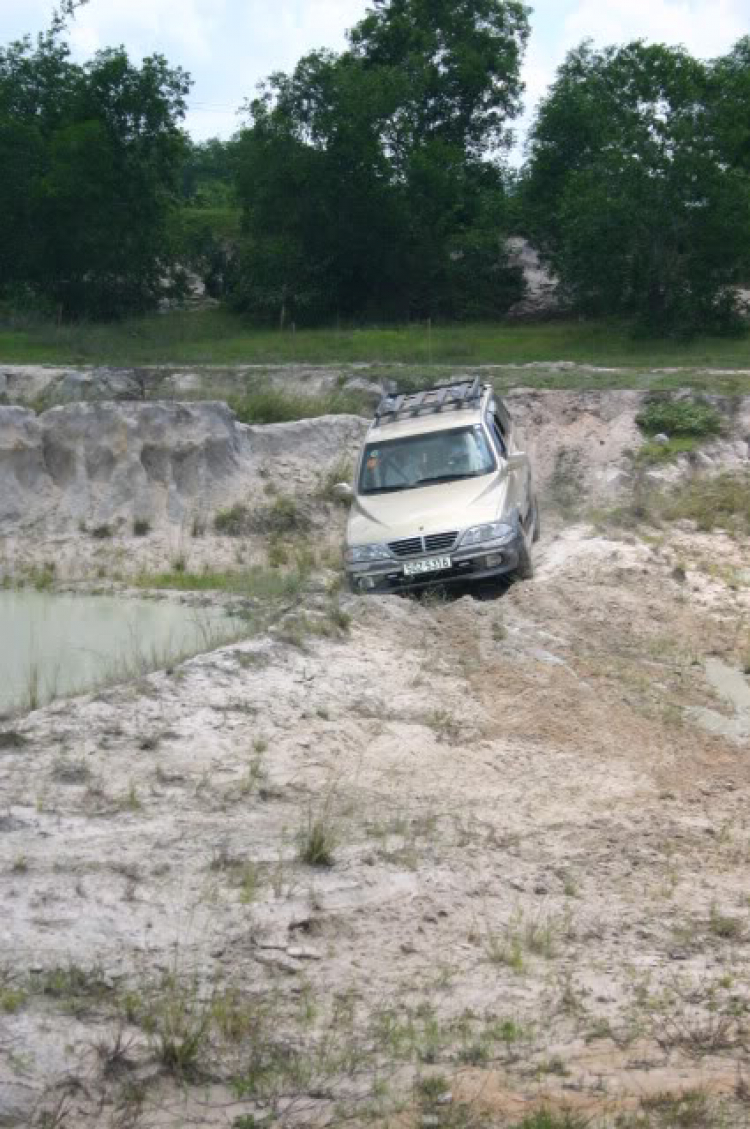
[[378, 172], [626, 194], [96, 154]]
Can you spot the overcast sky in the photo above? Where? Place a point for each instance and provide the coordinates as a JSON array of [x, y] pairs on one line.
[[228, 46]]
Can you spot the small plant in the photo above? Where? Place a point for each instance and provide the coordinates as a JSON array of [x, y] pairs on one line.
[[725, 927], [12, 998], [141, 527], [131, 801], [277, 554], [20, 865], [101, 532], [178, 1022], [434, 1089], [113, 1053], [317, 841], [282, 516], [342, 471], [233, 522], [446, 727]]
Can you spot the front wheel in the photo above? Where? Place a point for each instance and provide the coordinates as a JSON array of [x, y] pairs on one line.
[[537, 526], [525, 566]]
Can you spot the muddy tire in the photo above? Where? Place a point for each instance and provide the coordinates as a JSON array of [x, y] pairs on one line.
[[525, 566], [537, 525]]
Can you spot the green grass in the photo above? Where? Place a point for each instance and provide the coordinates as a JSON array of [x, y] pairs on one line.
[[718, 502], [220, 337], [258, 583], [269, 405]]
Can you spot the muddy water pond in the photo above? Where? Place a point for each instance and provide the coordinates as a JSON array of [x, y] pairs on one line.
[[53, 645]]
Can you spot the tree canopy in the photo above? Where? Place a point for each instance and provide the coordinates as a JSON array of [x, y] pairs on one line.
[[374, 183], [93, 155], [372, 180], [637, 183]]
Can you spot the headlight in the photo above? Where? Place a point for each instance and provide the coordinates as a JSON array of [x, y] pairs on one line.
[[493, 531], [361, 553]]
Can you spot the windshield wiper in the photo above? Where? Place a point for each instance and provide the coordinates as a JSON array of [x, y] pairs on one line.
[[448, 478], [388, 489]]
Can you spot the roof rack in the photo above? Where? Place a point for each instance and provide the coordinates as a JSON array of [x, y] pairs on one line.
[[461, 394]]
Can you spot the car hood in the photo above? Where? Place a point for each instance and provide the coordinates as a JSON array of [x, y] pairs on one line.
[[427, 509]]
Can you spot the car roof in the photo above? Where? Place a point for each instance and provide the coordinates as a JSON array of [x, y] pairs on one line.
[[425, 424]]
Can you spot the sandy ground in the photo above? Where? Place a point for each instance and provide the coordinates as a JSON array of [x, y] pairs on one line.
[[537, 885]]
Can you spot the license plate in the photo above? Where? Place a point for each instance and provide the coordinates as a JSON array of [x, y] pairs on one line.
[[432, 564]]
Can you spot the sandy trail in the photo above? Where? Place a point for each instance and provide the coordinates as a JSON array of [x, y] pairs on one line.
[[538, 889]]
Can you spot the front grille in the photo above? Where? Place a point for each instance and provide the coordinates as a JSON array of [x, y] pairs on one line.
[[439, 542], [409, 547], [413, 546]]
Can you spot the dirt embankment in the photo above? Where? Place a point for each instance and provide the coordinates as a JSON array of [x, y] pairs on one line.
[[444, 864], [171, 463]]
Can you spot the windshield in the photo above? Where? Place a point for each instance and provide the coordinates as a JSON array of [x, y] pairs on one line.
[[421, 460]]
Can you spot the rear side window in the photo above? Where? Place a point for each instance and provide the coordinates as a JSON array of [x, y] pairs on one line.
[[497, 433]]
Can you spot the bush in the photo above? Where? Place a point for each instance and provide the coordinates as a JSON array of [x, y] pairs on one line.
[[233, 522], [685, 418], [341, 471], [266, 405], [282, 516]]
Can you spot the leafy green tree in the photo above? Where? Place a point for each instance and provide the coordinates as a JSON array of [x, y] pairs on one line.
[[626, 194], [375, 174], [96, 153]]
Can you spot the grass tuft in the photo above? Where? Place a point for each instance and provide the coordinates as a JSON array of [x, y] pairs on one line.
[[317, 841]]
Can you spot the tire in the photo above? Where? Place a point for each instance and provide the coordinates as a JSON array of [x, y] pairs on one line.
[[525, 566], [537, 525]]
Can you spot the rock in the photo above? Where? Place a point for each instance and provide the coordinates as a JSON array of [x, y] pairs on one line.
[[303, 952], [542, 294], [278, 961], [661, 439], [368, 387], [99, 463], [99, 384]]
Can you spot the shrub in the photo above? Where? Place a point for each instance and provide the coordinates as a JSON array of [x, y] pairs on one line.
[[341, 471], [267, 405], [317, 841], [232, 522], [686, 418], [282, 516], [141, 527]]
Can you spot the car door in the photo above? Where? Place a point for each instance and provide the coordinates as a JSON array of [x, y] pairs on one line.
[[519, 469]]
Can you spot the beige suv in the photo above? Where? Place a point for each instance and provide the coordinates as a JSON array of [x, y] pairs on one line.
[[442, 493]]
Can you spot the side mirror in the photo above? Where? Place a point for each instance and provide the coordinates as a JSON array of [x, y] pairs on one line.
[[343, 491], [515, 462]]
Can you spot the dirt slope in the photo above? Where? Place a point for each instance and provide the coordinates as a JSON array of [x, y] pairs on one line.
[[538, 881], [434, 863]]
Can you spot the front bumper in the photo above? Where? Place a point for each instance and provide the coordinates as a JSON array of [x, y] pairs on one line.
[[480, 562]]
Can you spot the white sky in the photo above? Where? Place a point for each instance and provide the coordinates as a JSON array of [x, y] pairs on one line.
[[228, 46]]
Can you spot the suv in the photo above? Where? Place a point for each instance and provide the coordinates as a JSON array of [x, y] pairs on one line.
[[442, 493]]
